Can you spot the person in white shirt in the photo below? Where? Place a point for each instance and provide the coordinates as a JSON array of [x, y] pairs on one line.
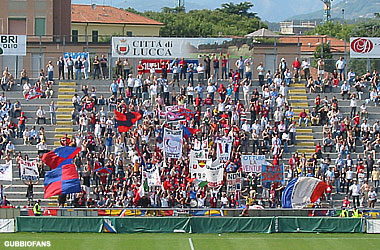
[[153, 93], [355, 190], [340, 66], [246, 127], [201, 73], [363, 111], [224, 201], [190, 94], [260, 72], [345, 90], [41, 115], [247, 92], [373, 96], [137, 86], [305, 65], [353, 105]]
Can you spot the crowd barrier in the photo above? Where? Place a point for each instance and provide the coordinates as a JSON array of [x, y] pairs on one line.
[[190, 224]]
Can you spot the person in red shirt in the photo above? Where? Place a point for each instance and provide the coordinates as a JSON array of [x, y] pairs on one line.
[[224, 68], [296, 67], [140, 69], [222, 92], [303, 118], [21, 124], [208, 101]]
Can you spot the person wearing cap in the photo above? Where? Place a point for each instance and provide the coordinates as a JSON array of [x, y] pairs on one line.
[[282, 67]]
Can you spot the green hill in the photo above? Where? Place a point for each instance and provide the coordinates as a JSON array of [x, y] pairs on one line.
[[352, 9]]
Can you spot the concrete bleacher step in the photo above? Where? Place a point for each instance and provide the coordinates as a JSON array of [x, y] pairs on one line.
[[297, 98], [65, 117], [304, 137], [65, 123], [297, 91], [304, 130], [64, 130], [305, 144], [306, 150], [68, 97], [299, 104], [59, 110], [63, 103], [65, 84], [66, 90], [297, 85]]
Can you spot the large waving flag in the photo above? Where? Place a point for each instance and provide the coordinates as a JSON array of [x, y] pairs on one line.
[[187, 132], [302, 191], [60, 156], [62, 180], [125, 121]]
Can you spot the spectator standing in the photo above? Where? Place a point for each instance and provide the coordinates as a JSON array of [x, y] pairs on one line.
[[50, 70], [52, 111], [78, 69], [240, 66], [70, 68], [341, 66], [103, 61], [61, 68], [96, 64]]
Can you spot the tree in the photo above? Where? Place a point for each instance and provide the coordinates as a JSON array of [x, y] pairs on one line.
[[333, 29], [241, 9], [370, 28]]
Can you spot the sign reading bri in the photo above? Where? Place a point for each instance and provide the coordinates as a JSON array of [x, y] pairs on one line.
[[13, 45], [365, 47]]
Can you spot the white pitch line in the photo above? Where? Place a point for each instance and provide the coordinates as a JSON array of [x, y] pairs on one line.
[[191, 244]]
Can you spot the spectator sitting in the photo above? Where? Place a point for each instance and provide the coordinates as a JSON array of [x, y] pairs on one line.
[[314, 117], [345, 90], [328, 143], [303, 117]]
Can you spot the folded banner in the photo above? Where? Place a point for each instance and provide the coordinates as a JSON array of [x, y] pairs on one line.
[[224, 148], [302, 191], [6, 171], [29, 170], [252, 163], [33, 93], [172, 143]]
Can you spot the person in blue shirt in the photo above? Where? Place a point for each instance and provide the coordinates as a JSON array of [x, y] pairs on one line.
[[190, 74], [114, 87], [109, 144], [199, 89]]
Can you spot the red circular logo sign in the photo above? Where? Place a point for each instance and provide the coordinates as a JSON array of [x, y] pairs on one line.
[[361, 45]]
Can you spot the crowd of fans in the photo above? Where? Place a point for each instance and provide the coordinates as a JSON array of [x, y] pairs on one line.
[[260, 120]]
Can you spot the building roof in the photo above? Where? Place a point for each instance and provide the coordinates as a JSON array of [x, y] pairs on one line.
[[81, 13], [262, 33], [310, 43]]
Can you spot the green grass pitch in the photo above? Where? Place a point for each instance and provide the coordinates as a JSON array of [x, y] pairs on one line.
[[182, 241]]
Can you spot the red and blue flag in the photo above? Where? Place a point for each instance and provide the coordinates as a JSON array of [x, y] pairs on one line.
[[62, 180], [60, 156], [125, 121], [187, 132]]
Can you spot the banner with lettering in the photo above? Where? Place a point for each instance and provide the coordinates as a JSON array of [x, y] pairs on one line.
[[6, 173], [224, 148], [252, 163], [270, 174], [152, 175], [29, 170], [162, 47], [13, 45], [233, 182], [173, 143]]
